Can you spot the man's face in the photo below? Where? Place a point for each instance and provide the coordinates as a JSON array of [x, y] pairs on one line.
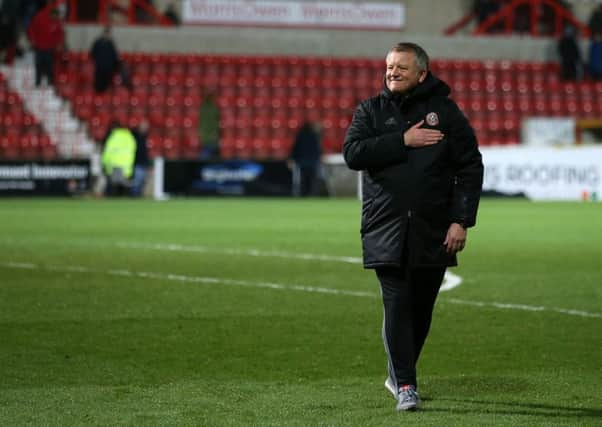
[[402, 72]]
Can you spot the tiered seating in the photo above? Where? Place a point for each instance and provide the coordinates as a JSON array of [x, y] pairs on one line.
[[264, 100], [497, 95], [21, 136]]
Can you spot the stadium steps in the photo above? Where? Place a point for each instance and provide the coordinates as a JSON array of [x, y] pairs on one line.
[[53, 113], [21, 135]]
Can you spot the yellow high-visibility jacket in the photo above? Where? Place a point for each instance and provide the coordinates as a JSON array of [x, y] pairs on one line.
[[119, 152]]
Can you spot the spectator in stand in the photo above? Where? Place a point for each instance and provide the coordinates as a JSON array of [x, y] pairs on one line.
[[595, 21], [595, 46], [484, 9], [9, 13], [522, 19], [29, 9], [141, 160], [47, 37], [117, 160], [171, 14], [305, 160], [209, 116], [141, 13], [106, 60], [6, 40], [571, 60], [595, 57], [548, 16]]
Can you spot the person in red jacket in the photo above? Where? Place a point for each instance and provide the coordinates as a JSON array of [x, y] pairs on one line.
[[47, 36]]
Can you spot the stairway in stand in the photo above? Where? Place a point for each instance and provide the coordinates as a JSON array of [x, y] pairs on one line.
[[66, 132]]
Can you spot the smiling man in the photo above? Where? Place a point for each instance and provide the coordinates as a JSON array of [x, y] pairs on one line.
[[421, 183]]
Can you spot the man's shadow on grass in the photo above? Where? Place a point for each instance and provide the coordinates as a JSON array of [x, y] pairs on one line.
[[515, 408]]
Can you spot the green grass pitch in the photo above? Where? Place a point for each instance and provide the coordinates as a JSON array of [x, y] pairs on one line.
[[237, 312]]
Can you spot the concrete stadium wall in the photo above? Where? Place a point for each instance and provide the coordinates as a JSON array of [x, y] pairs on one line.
[[426, 21], [429, 16], [262, 41], [421, 15]]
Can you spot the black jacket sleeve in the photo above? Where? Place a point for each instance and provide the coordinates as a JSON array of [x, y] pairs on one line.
[[366, 148], [468, 168]]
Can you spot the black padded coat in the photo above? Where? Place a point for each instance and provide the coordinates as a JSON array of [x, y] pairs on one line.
[[412, 195]]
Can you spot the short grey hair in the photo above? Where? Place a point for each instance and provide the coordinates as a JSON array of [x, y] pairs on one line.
[[422, 59]]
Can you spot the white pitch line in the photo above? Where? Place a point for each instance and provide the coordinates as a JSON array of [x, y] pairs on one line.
[[249, 252], [450, 280], [280, 286], [189, 279], [523, 307]]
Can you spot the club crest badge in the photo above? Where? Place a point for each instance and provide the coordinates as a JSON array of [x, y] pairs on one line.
[[432, 119], [390, 122]]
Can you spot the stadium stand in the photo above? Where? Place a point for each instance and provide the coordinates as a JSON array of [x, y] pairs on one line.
[[51, 115], [272, 95], [264, 97], [21, 134]]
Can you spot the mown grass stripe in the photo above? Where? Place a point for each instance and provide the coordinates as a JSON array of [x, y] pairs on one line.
[[281, 286]]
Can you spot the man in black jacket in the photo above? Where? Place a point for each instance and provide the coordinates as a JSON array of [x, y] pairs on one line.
[[106, 60], [305, 160], [421, 183]]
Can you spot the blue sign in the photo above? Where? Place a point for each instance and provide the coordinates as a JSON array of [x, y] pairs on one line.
[[228, 177]]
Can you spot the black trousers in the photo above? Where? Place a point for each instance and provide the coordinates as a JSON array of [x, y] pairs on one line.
[[409, 296], [102, 79], [44, 63], [308, 180]]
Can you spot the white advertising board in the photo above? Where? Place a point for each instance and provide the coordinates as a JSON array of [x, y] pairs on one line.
[[352, 15], [539, 173], [548, 131], [544, 173]]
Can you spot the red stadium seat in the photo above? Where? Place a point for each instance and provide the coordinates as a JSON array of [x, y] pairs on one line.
[[277, 93], [279, 148]]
